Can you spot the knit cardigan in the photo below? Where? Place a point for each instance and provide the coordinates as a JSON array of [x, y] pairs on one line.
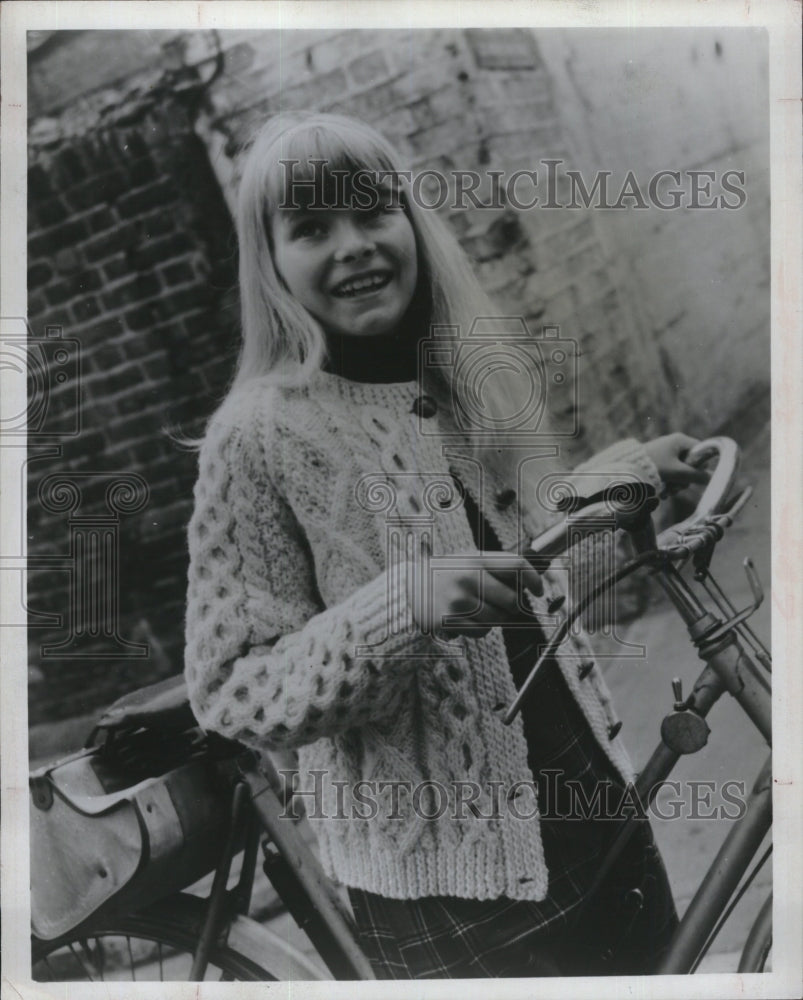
[[309, 506]]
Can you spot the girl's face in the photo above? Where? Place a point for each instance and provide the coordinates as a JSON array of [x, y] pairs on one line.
[[354, 270]]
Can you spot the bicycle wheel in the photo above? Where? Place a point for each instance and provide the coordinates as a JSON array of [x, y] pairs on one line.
[[157, 944]]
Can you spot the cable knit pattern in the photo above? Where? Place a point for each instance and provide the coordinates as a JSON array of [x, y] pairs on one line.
[[300, 634]]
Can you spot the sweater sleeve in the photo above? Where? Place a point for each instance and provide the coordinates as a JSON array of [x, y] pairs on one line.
[[592, 558], [265, 663], [627, 458]]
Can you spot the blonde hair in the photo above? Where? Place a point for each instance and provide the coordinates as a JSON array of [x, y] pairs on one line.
[[284, 342], [279, 336]]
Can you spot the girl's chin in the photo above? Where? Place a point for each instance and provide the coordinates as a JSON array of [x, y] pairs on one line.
[[362, 332], [363, 326]]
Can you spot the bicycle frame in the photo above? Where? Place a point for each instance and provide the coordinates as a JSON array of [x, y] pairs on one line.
[[729, 668]]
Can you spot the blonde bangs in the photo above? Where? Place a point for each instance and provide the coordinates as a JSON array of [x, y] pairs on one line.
[[316, 152]]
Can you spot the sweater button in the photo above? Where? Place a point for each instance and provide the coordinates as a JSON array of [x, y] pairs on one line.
[[504, 498], [613, 731], [556, 603], [424, 407], [585, 669]]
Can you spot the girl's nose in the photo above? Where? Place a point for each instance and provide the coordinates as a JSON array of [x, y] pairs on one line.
[[353, 243]]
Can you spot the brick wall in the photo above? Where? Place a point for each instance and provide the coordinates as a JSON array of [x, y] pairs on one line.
[[462, 100], [131, 253]]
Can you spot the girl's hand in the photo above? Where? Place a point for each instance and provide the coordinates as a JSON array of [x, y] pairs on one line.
[[488, 590], [668, 453]]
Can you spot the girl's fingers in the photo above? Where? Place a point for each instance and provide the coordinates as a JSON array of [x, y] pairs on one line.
[[689, 473], [685, 443], [669, 453], [513, 571], [491, 603], [500, 602], [684, 474], [696, 475], [488, 592], [495, 595]]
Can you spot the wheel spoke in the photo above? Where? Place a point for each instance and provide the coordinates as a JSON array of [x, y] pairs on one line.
[[80, 961], [100, 956], [131, 957]]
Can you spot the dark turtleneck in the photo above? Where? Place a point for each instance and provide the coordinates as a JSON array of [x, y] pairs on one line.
[[391, 357], [387, 357]]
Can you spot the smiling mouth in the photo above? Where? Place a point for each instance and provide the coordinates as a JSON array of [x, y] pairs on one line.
[[363, 285]]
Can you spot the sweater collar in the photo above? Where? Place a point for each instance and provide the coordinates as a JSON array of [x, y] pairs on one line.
[[394, 395], [390, 358]]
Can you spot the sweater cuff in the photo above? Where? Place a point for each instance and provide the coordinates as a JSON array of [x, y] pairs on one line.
[[383, 615], [627, 455]]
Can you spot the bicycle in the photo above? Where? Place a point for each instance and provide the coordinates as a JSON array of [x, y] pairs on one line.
[[216, 933]]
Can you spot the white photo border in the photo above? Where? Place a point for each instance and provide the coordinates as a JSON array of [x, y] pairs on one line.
[[781, 18]]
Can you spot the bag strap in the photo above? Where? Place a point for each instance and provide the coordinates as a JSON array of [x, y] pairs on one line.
[[96, 805]]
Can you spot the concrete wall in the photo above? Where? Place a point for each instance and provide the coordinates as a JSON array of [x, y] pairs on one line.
[[696, 280]]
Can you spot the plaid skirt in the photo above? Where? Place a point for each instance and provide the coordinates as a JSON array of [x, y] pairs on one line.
[[623, 929]]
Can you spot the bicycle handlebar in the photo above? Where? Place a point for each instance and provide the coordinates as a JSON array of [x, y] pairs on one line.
[[707, 521], [718, 488], [597, 516]]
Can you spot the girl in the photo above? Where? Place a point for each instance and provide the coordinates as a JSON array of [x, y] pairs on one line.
[[344, 506]]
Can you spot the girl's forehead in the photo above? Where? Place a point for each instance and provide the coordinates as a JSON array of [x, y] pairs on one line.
[[319, 186], [331, 160]]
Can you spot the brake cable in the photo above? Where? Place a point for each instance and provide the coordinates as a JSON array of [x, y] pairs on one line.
[[643, 559]]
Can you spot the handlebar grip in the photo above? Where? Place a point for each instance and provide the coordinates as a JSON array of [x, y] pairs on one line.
[[718, 487], [722, 478]]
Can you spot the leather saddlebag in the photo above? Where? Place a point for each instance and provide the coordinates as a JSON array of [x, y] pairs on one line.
[[96, 852]]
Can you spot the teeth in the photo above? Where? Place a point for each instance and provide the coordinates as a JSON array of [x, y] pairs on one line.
[[361, 284]]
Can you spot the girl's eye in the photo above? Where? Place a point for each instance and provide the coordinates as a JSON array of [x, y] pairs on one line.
[[382, 209], [309, 228]]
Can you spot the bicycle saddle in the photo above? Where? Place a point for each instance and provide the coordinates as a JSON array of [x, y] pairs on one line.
[[164, 705]]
